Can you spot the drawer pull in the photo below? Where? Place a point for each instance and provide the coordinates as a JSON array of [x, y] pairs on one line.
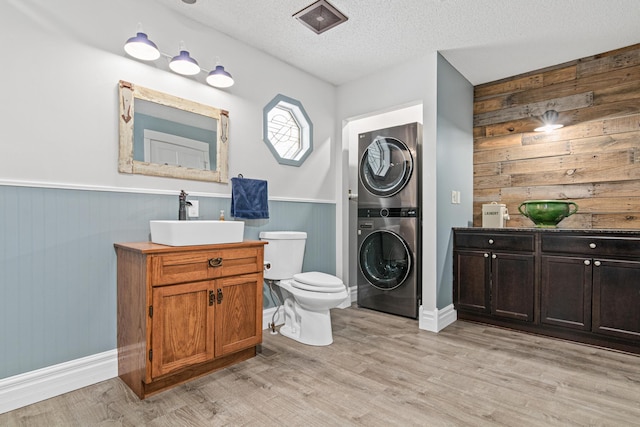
[[597, 263], [592, 245], [486, 255], [494, 256], [215, 262], [587, 262], [491, 241]]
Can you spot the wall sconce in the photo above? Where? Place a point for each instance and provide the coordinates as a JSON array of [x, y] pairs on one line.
[[549, 118], [140, 47]]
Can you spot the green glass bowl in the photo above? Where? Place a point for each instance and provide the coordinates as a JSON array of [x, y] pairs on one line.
[[547, 213]]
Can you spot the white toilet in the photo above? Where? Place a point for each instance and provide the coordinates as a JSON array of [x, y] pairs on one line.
[[307, 296]]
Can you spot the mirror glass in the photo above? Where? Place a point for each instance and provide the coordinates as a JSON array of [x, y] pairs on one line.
[[163, 135]]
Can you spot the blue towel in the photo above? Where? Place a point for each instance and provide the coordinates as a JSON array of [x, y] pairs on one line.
[[249, 198]]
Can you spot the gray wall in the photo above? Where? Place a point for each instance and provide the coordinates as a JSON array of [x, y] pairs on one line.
[[58, 264], [455, 169]]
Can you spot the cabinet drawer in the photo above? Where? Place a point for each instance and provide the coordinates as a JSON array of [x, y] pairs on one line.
[[591, 245], [492, 241], [203, 265]]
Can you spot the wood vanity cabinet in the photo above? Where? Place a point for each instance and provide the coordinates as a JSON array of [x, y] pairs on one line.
[[494, 274], [572, 284], [186, 311]]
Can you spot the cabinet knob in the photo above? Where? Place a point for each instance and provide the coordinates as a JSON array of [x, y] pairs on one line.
[[491, 241], [215, 262], [494, 256], [597, 263], [486, 255], [587, 262], [592, 245]]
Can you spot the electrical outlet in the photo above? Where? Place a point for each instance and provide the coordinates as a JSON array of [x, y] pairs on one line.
[[193, 211]]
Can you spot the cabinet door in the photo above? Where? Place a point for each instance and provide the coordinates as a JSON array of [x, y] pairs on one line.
[[471, 277], [616, 298], [238, 313], [512, 285], [566, 292], [182, 326]]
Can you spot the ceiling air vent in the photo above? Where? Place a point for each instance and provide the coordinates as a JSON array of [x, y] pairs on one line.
[[320, 16]]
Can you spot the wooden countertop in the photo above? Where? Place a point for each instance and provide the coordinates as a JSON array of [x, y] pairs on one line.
[[150, 247]]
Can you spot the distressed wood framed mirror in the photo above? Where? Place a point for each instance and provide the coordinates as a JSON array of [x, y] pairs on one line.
[[167, 136]]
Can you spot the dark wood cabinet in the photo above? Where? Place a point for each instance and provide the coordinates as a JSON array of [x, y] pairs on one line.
[[565, 284], [472, 275], [616, 298], [604, 281], [499, 278], [572, 284], [512, 290]]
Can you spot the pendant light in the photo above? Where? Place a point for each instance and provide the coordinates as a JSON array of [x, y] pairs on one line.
[[220, 78], [183, 63], [140, 47], [549, 118]]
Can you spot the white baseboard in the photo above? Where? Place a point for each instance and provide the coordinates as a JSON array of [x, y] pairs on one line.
[[35, 386], [437, 320]]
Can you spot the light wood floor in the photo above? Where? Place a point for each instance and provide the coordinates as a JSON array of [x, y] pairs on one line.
[[381, 370]]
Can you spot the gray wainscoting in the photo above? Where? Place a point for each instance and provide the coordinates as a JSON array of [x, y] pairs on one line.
[[58, 264]]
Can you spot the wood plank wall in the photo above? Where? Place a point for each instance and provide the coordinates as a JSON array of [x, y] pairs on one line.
[[593, 161]]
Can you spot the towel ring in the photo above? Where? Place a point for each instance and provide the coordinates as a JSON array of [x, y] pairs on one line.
[[240, 175]]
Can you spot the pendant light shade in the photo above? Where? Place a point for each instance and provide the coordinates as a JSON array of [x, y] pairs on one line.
[[140, 47], [219, 77], [184, 64], [549, 118]]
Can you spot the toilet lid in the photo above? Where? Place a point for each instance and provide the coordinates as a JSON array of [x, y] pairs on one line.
[[317, 282]]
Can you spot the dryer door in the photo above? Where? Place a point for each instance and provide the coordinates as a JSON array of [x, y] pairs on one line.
[[385, 259], [385, 166]]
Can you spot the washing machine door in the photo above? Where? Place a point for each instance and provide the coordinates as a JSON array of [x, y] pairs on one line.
[[385, 259], [385, 166]]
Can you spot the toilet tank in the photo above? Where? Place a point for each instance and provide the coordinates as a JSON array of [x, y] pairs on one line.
[[285, 253]]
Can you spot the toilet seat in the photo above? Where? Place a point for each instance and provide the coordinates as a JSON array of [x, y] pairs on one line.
[[315, 281]]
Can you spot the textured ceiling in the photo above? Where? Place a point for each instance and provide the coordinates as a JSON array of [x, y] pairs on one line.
[[485, 40]]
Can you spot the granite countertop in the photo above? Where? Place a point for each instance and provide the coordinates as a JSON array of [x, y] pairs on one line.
[[628, 232]]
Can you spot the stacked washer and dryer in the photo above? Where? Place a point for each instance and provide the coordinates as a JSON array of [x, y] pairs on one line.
[[389, 220]]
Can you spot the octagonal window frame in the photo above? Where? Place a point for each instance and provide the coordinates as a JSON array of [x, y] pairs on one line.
[[302, 120]]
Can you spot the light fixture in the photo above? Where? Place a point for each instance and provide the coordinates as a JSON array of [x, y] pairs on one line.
[[219, 77], [140, 47], [183, 63], [549, 118]]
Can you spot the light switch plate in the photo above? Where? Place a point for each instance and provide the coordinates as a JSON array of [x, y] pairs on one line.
[[455, 197], [193, 211]]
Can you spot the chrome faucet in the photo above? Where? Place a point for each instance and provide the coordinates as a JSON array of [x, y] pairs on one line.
[[182, 208]]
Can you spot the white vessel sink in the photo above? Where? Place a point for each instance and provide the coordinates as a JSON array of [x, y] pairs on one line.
[[187, 233]]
